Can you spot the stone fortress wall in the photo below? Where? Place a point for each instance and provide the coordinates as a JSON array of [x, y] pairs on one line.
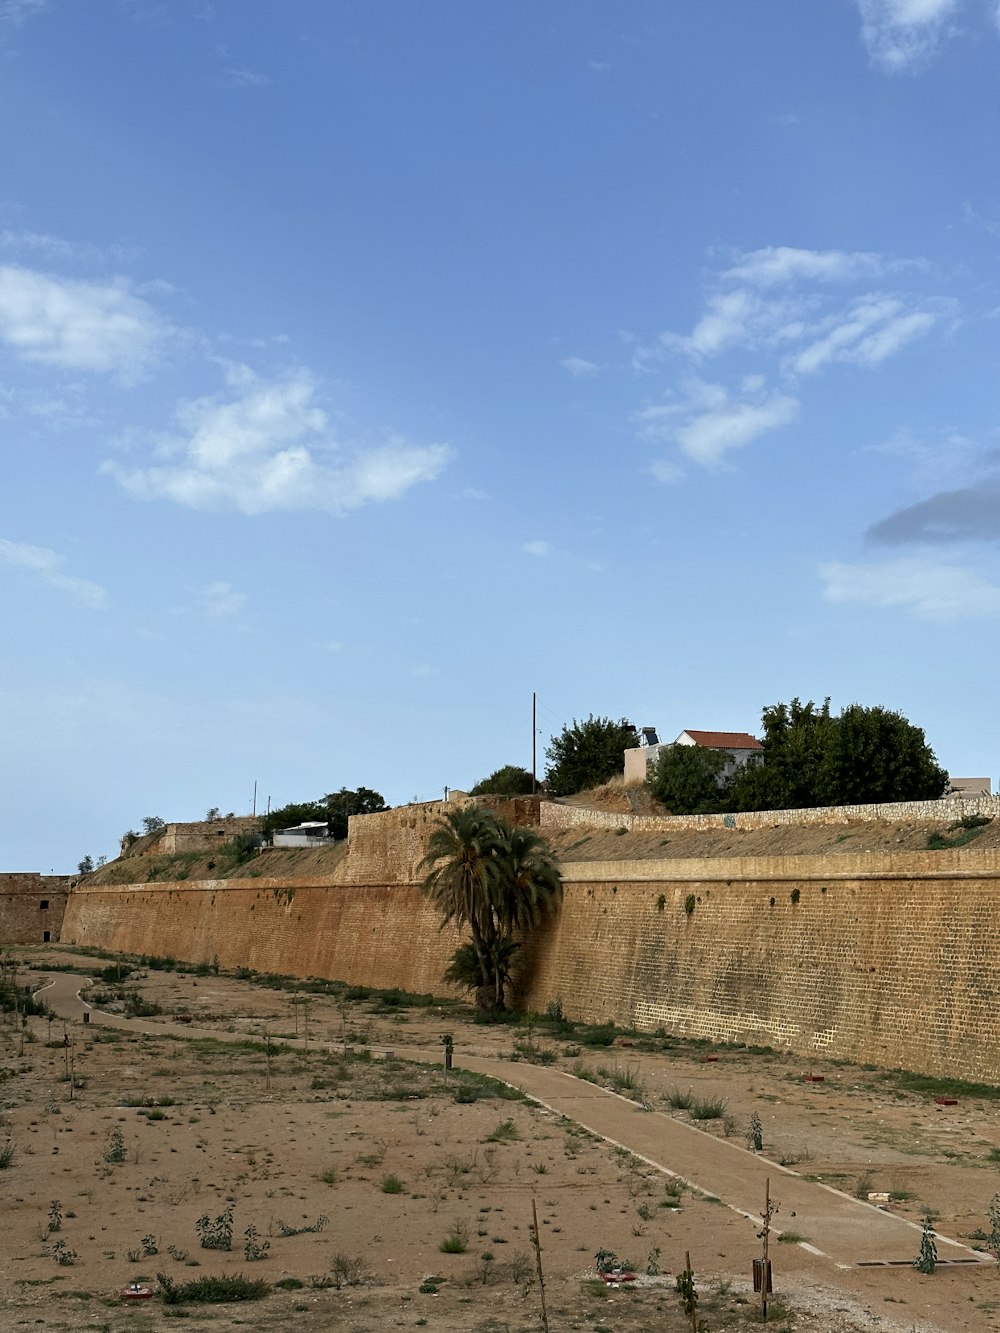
[[32, 907], [885, 958]]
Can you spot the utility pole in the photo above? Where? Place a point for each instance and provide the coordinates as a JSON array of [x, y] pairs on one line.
[[534, 737], [255, 796]]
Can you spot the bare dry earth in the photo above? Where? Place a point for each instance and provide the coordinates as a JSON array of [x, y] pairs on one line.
[[324, 1140]]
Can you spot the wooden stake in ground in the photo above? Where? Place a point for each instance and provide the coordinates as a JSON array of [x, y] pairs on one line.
[[536, 1240], [765, 1264], [267, 1058]]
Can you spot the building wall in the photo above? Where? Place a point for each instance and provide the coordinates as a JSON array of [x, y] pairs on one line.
[[23, 920]]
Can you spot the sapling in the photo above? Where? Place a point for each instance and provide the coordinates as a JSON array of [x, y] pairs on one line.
[[926, 1260]]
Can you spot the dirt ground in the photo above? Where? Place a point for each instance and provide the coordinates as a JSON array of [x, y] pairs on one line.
[[350, 1169]]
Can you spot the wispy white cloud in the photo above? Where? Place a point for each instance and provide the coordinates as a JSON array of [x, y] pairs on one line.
[[929, 589], [57, 248], [76, 325], [781, 265], [47, 566], [236, 77], [708, 422], [780, 298], [904, 35], [16, 11], [267, 445], [221, 601], [537, 548], [579, 368], [870, 331]]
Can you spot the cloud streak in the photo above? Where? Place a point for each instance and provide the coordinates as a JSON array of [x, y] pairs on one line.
[[903, 36], [267, 446], [47, 566], [928, 589], [709, 422], [103, 327]]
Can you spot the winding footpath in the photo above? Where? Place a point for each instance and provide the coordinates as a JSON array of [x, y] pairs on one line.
[[848, 1232]]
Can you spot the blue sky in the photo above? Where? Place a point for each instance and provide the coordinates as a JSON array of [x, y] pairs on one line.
[[366, 366]]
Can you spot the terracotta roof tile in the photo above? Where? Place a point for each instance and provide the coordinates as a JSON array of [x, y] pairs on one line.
[[725, 740]]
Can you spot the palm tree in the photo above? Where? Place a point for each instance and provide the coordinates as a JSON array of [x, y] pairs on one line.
[[495, 881], [461, 869]]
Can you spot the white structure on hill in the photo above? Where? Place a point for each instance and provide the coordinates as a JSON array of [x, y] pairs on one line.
[[739, 747]]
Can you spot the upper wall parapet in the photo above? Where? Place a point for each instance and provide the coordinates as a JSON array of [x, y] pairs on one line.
[[947, 810]]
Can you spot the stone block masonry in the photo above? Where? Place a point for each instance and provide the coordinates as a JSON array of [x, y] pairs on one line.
[[891, 959], [32, 907]]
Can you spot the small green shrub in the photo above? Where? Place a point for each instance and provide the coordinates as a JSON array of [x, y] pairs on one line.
[[6, 1154], [689, 904], [926, 1260], [679, 1100], [505, 1132], [456, 1241], [215, 1233], [211, 1290], [708, 1108], [391, 1185], [115, 1150]]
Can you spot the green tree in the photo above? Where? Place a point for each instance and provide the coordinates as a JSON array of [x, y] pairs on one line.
[[86, 865], [342, 804], [811, 757], [585, 754], [334, 809], [688, 779], [877, 755], [495, 881], [511, 780], [152, 824]]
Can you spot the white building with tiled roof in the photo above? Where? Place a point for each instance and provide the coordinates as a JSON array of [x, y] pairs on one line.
[[739, 747]]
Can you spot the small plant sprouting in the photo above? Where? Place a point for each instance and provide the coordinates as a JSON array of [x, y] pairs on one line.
[[457, 1239], [661, 902], [318, 1225], [150, 1246], [755, 1134], [63, 1255], [994, 1237], [115, 1150], [175, 1253], [253, 1247], [689, 904], [391, 1185], [215, 1233], [686, 1289], [926, 1260], [6, 1154], [55, 1216], [653, 1262]]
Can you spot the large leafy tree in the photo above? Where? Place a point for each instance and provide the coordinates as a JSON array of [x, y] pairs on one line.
[[585, 754], [688, 779], [812, 758], [495, 881], [334, 809], [510, 780]]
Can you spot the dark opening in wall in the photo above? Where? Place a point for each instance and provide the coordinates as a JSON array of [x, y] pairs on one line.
[[44, 905], [46, 936]]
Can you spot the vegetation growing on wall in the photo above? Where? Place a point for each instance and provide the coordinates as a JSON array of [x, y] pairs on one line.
[[495, 881]]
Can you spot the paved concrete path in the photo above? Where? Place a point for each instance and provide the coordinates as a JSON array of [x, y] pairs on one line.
[[839, 1228]]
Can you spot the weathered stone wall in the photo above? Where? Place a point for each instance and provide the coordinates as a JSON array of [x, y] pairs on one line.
[[203, 834], [32, 907], [889, 959], [368, 935], [947, 810], [892, 960]]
